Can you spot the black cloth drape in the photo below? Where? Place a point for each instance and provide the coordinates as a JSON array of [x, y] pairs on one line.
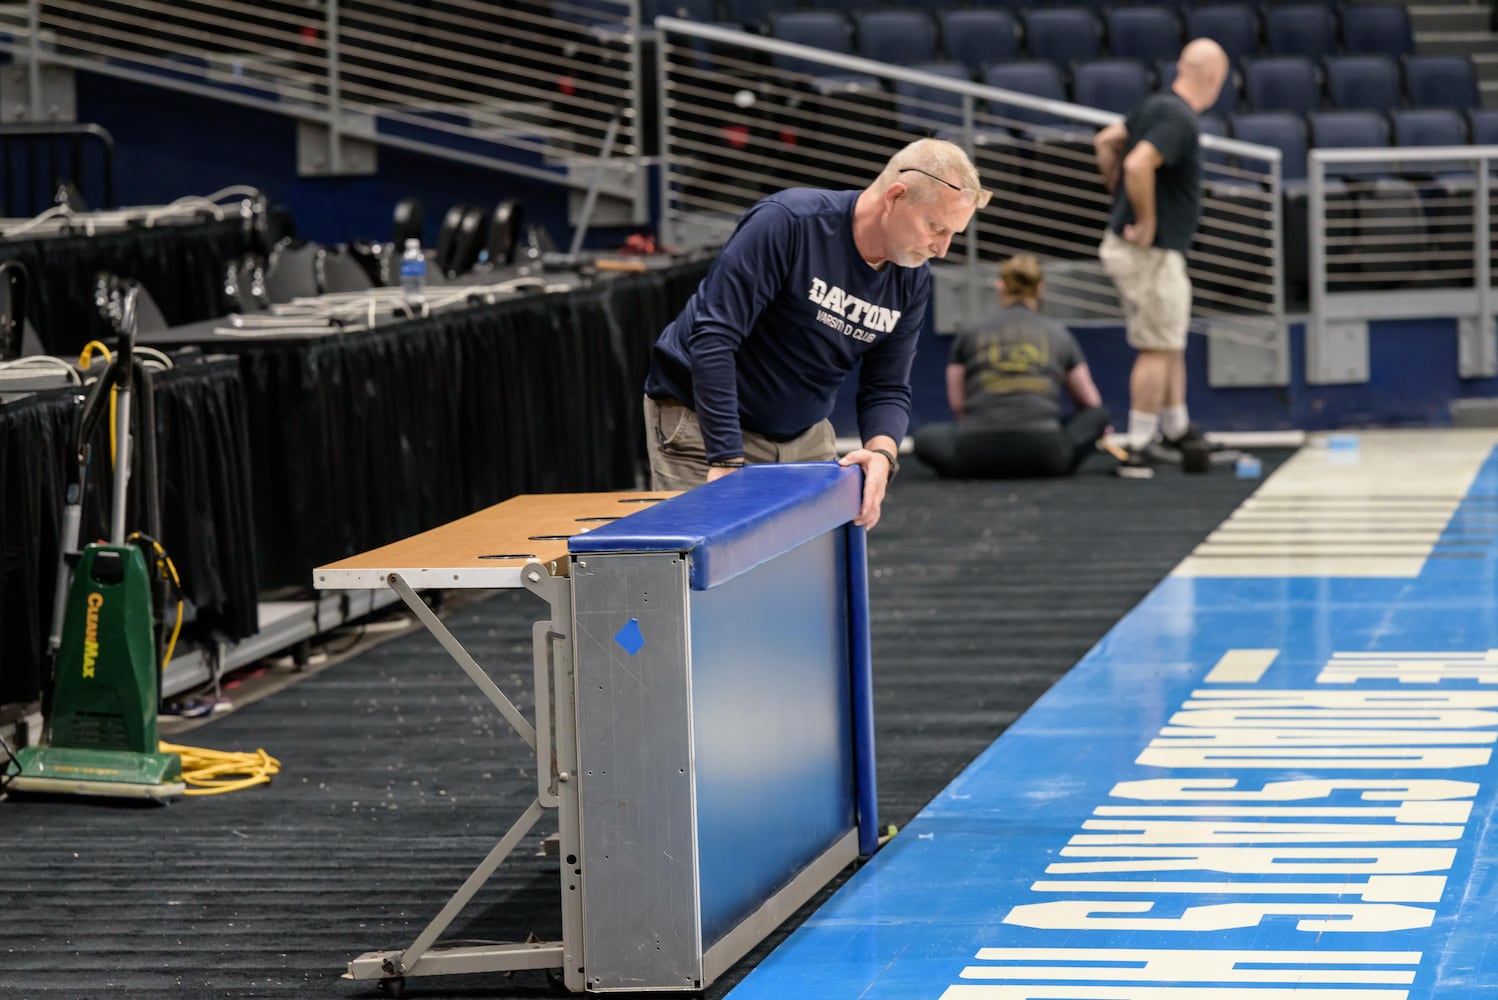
[[304, 452], [182, 265], [364, 438], [207, 528]]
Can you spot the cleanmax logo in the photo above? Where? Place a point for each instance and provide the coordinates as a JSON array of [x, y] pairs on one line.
[[91, 633]]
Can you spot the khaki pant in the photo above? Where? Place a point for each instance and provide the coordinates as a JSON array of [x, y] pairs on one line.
[[678, 458], [1155, 291]]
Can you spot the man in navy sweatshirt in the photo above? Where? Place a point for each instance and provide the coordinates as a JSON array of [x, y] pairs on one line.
[[810, 283]]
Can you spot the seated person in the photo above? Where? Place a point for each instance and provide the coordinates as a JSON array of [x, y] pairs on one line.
[[1003, 384]]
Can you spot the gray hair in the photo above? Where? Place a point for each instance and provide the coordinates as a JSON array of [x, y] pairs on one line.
[[938, 156]]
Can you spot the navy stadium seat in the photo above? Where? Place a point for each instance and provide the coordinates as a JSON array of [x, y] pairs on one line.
[[753, 14], [1283, 130], [927, 109], [1363, 82], [1063, 35], [902, 37], [1148, 34], [976, 38], [1286, 132], [821, 29], [1300, 29], [1234, 26], [1484, 125], [1110, 84], [1350, 130], [1282, 83], [1036, 77], [1433, 127], [1382, 29], [1441, 81]]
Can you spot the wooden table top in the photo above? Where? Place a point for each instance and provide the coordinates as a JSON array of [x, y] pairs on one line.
[[489, 548]]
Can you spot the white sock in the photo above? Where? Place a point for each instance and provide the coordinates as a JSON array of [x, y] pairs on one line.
[[1142, 427], [1174, 421]]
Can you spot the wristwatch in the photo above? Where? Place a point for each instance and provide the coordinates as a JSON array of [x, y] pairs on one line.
[[894, 463]]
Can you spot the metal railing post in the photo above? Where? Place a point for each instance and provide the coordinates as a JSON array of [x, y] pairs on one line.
[[664, 208], [335, 102], [34, 66], [640, 210], [1316, 266], [1482, 270]]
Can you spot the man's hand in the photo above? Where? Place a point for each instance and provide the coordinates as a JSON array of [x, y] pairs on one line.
[[875, 481], [719, 471], [1141, 234]]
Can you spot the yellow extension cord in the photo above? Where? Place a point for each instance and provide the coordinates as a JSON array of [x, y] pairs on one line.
[[214, 772]]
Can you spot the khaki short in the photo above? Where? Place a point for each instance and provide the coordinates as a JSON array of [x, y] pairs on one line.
[[1155, 291], [678, 458]]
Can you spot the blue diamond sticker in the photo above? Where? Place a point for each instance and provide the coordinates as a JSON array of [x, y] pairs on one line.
[[629, 637]]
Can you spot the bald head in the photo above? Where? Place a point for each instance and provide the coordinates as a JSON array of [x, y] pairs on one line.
[[1200, 73]]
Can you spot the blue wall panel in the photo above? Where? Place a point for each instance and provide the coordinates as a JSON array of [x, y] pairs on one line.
[[774, 778]]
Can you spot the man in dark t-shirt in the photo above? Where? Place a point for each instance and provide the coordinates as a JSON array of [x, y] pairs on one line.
[[1151, 163], [811, 283]]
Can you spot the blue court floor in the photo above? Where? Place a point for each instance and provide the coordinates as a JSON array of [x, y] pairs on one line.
[[1272, 779]]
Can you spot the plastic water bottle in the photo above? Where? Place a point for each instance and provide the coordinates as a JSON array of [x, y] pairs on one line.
[[414, 276]]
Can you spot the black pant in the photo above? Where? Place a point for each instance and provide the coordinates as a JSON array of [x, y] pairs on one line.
[[966, 453]]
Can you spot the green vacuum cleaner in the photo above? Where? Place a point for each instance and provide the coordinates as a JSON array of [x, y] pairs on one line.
[[100, 705]]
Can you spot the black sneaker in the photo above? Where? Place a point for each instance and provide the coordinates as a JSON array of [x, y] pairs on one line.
[[1191, 434], [1137, 465], [1161, 451], [1216, 452]]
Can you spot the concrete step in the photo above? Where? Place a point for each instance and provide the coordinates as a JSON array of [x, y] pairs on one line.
[[1450, 18], [1455, 42], [1487, 66], [1489, 92]]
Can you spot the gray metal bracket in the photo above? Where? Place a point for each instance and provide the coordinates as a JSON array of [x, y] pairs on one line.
[[1247, 353], [1477, 348], [1339, 354], [347, 150], [553, 738], [37, 91]]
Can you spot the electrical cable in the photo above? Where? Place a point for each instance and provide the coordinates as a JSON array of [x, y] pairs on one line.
[[86, 358], [165, 569], [10, 758], [214, 772]]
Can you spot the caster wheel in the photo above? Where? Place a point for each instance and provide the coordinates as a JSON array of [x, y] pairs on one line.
[[395, 987]]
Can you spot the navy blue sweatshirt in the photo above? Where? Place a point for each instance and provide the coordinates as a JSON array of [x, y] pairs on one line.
[[782, 316]]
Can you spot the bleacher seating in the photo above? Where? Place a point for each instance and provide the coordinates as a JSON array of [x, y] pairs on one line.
[[976, 37], [1282, 83], [1148, 34], [1234, 26], [901, 37], [1300, 29], [1377, 29], [1036, 77], [1363, 82], [1063, 35], [920, 104], [1111, 84], [1350, 130], [1441, 81]]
